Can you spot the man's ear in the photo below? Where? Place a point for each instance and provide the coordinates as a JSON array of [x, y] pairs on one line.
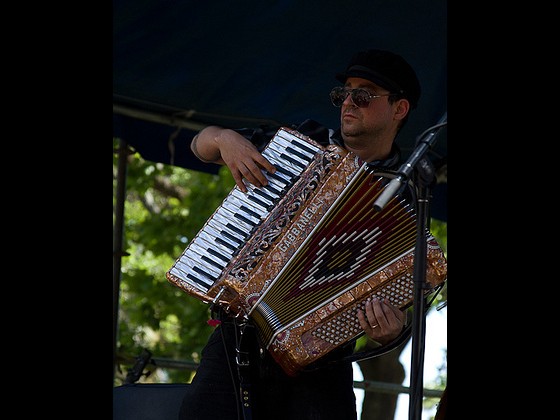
[[402, 108]]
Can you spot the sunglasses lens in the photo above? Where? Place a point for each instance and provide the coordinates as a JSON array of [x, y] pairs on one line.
[[338, 95], [360, 97]]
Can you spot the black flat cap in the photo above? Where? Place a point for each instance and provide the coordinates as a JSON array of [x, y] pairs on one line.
[[386, 69]]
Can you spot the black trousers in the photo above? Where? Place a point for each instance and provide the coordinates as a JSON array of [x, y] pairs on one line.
[[322, 394]]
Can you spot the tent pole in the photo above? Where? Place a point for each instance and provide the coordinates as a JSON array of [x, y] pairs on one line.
[[118, 230]]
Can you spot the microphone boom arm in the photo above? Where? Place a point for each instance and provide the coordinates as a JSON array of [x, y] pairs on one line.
[[424, 142]]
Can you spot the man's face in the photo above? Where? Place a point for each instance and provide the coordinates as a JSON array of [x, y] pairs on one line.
[[374, 113]]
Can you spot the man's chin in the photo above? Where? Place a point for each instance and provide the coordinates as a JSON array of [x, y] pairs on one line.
[[348, 131]]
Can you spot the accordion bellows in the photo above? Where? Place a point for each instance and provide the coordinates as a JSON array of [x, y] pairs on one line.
[[302, 260]]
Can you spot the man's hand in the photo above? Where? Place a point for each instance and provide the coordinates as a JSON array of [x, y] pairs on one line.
[[382, 322], [227, 147], [243, 160]]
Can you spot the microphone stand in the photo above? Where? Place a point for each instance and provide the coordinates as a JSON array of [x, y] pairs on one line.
[[425, 177]]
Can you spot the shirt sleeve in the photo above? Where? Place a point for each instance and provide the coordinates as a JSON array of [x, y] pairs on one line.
[[263, 134], [259, 136]]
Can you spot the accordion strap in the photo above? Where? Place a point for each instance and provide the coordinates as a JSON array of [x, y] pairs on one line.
[[243, 363], [364, 355]]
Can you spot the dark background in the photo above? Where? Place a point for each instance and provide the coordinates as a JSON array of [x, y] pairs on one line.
[[181, 65]]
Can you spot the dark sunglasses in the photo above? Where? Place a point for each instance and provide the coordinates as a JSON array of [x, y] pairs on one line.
[[360, 97]]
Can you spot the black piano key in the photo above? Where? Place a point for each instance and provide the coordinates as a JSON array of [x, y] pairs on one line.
[[234, 209], [274, 155], [217, 231], [221, 226], [295, 143], [245, 198], [220, 256], [295, 152], [261, 203], [270, 188], [236, 229], [204, 273], [294, 161], [283, 186], [198, 281], [305, 146], [287, 161], [200, 260], [287, 149], [279, 179], [213, 262], [207, 242], [225, 243], [251, 212], [286, 172], [265, 195], [240, 217], [232, 237]]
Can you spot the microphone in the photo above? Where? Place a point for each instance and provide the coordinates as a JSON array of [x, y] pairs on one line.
[[425, 141]]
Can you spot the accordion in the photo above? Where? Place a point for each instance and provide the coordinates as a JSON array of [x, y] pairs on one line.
[[301, 255]]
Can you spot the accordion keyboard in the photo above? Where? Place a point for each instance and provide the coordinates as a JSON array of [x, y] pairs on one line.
[[227, 230]]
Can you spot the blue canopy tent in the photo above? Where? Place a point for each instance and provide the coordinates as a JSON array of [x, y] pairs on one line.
[[181, 65]]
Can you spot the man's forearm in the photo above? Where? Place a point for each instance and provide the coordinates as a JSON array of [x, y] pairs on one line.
[[205, 145]]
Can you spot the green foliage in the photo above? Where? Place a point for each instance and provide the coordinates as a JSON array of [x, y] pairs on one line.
[[165, 207], [439, 230]]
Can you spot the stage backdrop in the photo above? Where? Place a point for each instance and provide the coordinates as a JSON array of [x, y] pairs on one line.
[[181, 65]]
